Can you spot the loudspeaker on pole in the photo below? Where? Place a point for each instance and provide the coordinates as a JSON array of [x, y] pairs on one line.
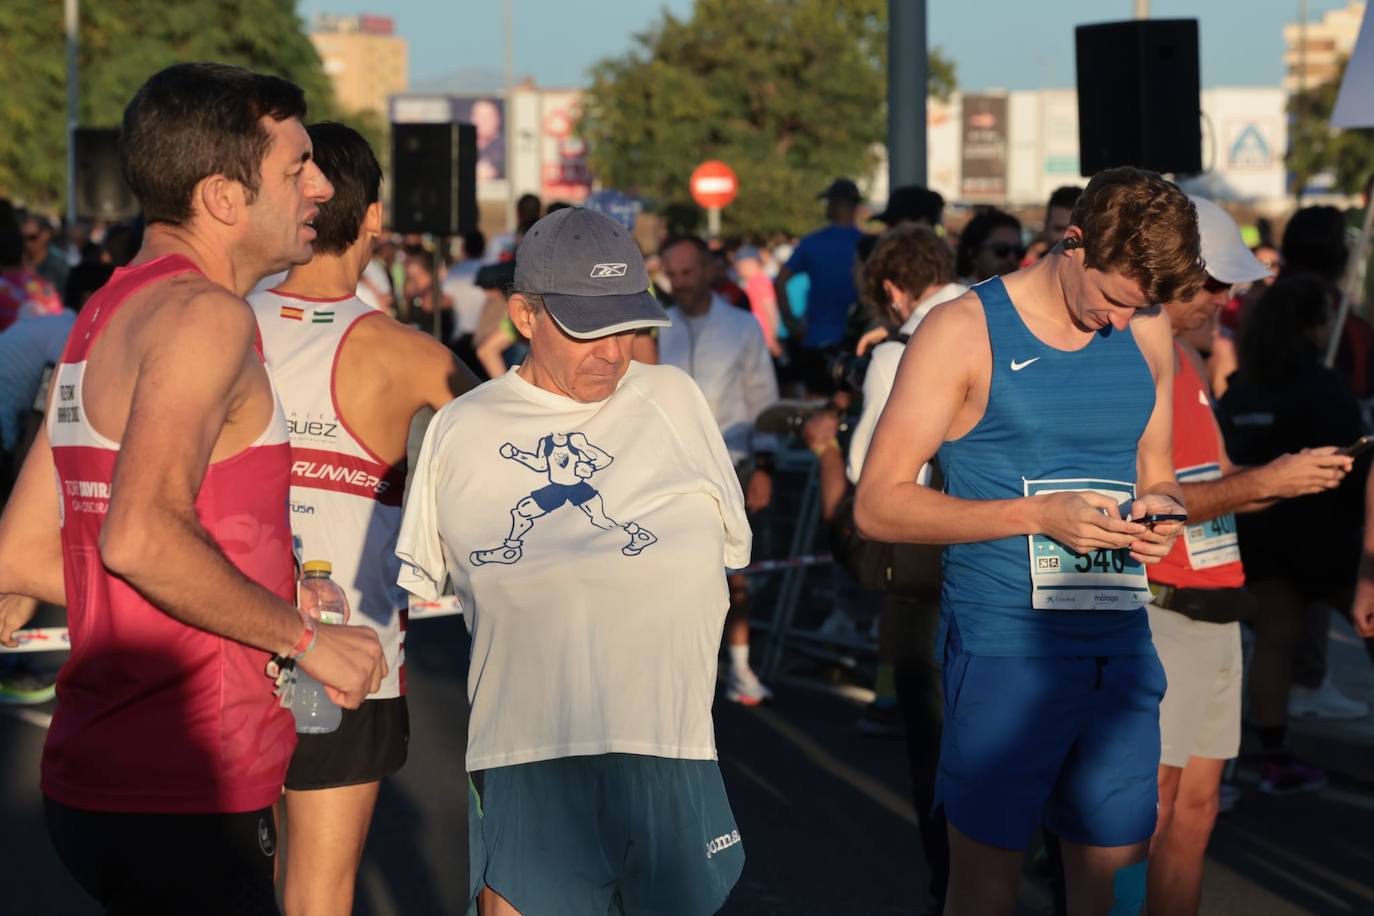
[[434, 178], [1139, 96], [101, 193]]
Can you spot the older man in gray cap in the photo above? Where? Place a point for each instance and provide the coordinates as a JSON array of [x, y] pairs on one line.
[[585, 508]]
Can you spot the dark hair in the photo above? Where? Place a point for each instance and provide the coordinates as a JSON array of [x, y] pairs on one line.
[[1064, 197], [527, 211], [83, 280], [1144, 227], [696, 241], [976, 233], [347, 161], [122, 242], [11, 242], [191, 121], [1314, 242], [474, 244], [913, 257], [1275, 342]]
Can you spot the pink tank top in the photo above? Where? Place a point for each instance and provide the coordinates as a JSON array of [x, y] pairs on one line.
[[154, 715]]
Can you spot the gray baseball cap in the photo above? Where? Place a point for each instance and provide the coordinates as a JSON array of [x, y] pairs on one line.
[[590, 273]]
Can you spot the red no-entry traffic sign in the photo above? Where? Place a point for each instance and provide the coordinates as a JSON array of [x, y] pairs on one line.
[[714, 184]]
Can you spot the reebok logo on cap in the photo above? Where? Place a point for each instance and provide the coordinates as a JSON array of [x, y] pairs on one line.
[[608, 270]]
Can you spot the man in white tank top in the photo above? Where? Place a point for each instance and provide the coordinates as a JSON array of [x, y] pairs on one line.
[[350, 379]]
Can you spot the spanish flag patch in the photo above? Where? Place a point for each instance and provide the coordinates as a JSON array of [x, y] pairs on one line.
[[295, 313]]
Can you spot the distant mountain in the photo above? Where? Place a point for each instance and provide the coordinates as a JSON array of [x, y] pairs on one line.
[[466, 80]]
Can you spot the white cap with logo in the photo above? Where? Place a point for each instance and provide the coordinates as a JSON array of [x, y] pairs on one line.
[[1224, 252]]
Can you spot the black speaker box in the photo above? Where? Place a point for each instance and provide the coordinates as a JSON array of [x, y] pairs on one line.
[[101, 193], [434, 178], [1139, 96]]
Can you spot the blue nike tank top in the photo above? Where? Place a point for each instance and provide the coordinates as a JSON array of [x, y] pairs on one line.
[[1057, 415]]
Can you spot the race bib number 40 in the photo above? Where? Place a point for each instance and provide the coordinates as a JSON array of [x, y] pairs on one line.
[[1062, 580], [1211, 543]]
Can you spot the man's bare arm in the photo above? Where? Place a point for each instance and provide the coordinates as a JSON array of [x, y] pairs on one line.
[[933, 379], [30, 531], [186, 384], [428, 368], [188, 381]]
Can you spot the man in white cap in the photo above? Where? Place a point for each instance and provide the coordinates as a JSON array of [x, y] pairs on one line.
[[1198, 595], [585, 508]]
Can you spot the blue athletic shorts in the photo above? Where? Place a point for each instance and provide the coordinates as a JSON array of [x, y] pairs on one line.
[[617, 833], [556, 494], [1071, 744]]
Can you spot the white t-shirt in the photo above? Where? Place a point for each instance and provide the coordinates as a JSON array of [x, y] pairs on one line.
[[468, 298], [587, 543], [882, 373]]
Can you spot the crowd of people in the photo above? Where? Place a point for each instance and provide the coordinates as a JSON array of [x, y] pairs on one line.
[[1075, 468]]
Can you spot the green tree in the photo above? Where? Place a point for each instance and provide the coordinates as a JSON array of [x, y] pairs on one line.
[[122, 42], [1315, 147], [789, 93]]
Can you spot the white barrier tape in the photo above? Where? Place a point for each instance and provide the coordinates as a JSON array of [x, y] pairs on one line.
[[447, 606], [43, 639], [811, 559], [55, 639]]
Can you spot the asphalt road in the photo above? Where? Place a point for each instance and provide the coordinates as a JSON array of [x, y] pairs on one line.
[[823, 810]]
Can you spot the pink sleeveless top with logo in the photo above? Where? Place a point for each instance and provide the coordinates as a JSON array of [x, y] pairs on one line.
[[154, 715]]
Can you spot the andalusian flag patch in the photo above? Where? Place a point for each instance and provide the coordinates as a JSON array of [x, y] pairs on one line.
[[321, 317], [295, 313]]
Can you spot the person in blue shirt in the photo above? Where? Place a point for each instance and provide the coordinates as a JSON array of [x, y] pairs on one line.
[[1047, 397], [826, 256]]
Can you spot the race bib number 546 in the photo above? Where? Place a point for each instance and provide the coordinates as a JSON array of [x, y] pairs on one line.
[[1100, 580]]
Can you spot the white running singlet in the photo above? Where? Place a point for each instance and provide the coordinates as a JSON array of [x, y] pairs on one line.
[[345, 500]]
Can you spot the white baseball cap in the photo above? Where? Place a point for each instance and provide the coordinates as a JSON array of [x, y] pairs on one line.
[[1224, 252]]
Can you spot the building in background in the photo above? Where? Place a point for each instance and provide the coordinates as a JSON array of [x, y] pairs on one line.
[[1312, 55], [364, 58]]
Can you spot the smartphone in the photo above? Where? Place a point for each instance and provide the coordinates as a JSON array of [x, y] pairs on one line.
[[1358, 447], [1158, 518]]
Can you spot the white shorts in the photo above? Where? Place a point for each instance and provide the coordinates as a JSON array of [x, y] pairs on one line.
[[1200, 713]]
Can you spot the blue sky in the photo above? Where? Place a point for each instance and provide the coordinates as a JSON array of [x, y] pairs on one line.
[[1011, 44]]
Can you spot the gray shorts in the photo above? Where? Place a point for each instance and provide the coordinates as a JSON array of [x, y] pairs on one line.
[[1200, 713]]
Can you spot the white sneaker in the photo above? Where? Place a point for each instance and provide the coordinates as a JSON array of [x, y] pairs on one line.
[[746, 689], [1324, 702]]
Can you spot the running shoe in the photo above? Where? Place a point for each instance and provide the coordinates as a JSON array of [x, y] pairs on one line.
[[26, 690], [881, 721], [1325, 701], [746, 689], [1284, 775]]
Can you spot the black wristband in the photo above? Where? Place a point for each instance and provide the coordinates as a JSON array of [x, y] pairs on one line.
[[763, 461]]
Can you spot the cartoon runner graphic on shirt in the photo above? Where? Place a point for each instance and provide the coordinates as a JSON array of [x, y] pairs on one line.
[[569, 460]]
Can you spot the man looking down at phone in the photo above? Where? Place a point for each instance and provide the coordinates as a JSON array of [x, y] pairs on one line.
[[1046, 395], [1198, 599]]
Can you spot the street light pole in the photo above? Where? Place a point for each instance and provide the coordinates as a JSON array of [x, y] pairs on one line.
[[73, 100], [907, 76]]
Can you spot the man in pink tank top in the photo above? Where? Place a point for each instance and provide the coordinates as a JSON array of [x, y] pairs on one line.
[[167, 535], [351, 379]]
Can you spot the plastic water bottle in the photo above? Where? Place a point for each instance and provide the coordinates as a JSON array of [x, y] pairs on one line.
[[319, 596]]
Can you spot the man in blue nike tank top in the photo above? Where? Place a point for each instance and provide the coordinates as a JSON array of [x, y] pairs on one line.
[[1046, 396]]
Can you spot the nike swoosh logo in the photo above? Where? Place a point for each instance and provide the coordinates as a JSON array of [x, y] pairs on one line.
[[1017, 367]]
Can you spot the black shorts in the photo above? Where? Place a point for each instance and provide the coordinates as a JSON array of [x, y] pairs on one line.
[[369, 743], [154, 864]]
